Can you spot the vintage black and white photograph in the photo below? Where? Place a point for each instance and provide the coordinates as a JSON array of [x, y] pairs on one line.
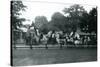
[[52, 33]]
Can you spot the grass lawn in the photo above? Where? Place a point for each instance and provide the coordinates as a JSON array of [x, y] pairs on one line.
[[24, 56]]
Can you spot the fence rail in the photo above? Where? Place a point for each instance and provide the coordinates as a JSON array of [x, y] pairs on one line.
[[47, 46]]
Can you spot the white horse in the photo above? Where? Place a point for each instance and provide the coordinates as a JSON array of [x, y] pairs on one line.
[[78, 40], [44, 39], [59, 40]]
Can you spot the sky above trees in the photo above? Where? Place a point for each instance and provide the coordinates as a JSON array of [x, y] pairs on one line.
[[45, 9]]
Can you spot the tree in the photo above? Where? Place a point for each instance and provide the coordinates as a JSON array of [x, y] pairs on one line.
[[58, 21], [57, 16], [74, 13], [84, 22], [40, 20], [93, 20], [16, 7], [89, 21]]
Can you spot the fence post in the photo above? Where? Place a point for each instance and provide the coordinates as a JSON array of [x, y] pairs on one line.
[[46, 46], [30, 46], [30, 43], [14, 45], [60, 45]]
